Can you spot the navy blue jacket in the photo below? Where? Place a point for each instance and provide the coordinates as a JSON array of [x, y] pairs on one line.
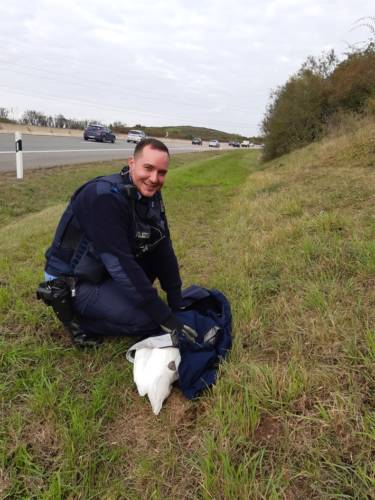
[[106, 226]]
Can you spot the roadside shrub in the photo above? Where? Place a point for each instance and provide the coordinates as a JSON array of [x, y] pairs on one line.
[[353, 82], [370, 108], [299, 108], [322, 94]]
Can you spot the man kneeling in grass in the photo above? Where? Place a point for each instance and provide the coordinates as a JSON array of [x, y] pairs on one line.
[[111, 244]]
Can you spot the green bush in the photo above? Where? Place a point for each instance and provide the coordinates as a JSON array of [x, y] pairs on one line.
[[353, 82], [319, 95], [299, 108], [295, 117]]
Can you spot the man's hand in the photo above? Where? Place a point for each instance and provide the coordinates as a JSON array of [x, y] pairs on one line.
[[179, 331]]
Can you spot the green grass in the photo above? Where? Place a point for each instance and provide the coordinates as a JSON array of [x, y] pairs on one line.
[[291, 243]]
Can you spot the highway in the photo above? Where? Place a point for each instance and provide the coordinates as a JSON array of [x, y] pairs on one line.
[[46, 151]]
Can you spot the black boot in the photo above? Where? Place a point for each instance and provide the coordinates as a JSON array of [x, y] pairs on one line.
[[80, 338], [57, 293]]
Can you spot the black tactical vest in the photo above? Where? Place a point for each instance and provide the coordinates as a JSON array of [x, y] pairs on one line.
[[72, 254]]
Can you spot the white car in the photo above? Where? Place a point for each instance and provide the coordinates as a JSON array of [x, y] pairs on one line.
[[245, 144], [135, 136], [214, 144]]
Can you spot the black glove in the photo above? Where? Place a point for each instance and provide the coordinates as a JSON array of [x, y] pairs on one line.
[[179, 331], [174, 299]]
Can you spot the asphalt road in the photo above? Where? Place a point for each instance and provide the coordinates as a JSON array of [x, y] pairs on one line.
[[46, 151]]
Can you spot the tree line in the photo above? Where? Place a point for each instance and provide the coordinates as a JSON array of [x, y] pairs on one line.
[[323, 94], [39, 119]]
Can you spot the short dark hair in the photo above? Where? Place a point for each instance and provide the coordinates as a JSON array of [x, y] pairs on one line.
[[153, 143]]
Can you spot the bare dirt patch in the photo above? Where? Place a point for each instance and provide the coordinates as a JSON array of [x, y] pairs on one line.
[[270, 429]]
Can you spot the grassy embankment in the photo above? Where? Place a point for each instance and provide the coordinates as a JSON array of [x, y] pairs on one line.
[[291, 243]]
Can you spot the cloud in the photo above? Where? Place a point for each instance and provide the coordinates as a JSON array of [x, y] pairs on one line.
[[201, 62]]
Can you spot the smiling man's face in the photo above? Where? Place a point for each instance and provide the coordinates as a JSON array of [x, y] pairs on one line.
[[148, 170]]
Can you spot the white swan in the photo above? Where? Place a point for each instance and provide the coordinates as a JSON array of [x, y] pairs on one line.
[[154, 372]]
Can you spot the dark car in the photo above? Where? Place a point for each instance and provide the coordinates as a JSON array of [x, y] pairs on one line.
[[197, 140], [99, 133], [236, 144]]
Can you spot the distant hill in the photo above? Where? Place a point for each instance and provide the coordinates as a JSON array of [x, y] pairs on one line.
[[187, 132]]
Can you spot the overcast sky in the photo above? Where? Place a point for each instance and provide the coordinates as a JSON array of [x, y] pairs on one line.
[[208, 63]]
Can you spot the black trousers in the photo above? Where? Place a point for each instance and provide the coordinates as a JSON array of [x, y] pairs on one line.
[[105, 310]]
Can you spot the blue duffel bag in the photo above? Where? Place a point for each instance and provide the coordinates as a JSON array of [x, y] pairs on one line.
[[209, 313]]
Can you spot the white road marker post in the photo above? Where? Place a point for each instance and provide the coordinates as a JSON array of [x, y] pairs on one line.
[[19, 158]]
